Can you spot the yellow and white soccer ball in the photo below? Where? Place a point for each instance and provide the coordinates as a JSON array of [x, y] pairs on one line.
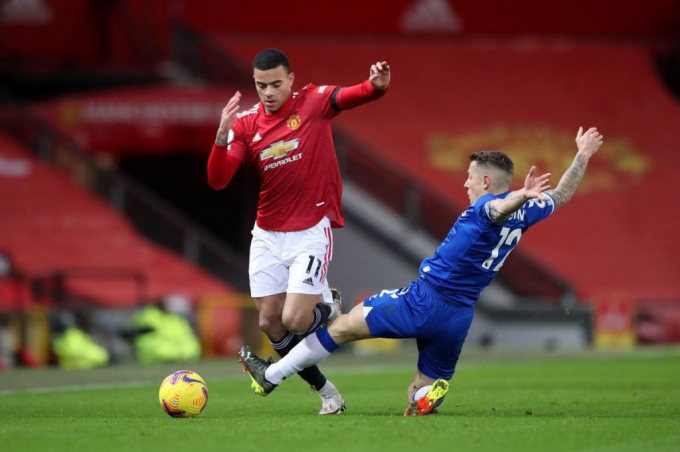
[[183, 394]]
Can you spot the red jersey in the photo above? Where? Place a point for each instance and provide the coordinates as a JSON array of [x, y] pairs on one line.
[[293, 151]]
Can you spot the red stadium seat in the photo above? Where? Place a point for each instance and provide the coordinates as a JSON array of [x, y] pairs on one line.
[[50, 224]]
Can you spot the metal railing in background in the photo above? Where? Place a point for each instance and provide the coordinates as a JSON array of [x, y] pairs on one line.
[[423, 208], [152, 215]]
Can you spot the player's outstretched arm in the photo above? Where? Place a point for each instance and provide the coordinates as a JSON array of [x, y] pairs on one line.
[[374, 88], [500, 209], [588, 143]]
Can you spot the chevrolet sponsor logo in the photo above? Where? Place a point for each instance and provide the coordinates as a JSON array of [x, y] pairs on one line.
[[279, 149]]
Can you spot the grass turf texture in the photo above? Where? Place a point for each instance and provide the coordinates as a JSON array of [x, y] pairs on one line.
[[585, 402]]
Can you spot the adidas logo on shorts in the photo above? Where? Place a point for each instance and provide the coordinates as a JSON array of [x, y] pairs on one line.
[[309, 281]]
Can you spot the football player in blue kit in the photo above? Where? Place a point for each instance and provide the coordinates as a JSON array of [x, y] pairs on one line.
[[437, 309]]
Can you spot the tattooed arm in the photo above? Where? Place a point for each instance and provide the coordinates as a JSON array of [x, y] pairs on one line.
[[588, 143], [500, 209]]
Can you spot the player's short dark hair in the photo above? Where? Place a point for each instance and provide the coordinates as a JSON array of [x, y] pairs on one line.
[[270, 59], [494, 159]]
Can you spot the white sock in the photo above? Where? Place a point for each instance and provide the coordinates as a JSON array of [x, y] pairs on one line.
[[328, 389], [305, 354]]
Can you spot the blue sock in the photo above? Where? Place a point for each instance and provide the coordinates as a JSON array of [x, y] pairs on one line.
[[326, 340], [312, 350]]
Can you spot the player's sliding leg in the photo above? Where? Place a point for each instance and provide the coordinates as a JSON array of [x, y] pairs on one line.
[[319, 346], [331, 399], [256, 367], [305, 354], [311, 350]]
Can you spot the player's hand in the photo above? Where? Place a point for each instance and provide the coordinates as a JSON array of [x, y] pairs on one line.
[[227, 119], [534, 186], [379, 75], [589, 142]]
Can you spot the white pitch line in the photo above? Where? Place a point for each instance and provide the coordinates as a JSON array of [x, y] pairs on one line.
[[83, 387]]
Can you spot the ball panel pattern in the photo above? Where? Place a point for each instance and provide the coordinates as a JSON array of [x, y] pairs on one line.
[[183, 394]]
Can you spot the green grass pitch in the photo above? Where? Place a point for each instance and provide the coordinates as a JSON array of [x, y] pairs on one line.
[[542, 402]]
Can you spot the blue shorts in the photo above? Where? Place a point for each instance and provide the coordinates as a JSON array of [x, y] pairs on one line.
[[416, 311]]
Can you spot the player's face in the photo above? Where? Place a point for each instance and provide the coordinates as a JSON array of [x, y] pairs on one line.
[[475, 183], [274, 87]]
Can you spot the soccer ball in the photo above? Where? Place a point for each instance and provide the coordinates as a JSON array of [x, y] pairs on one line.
[[183, 394], [422, 392]]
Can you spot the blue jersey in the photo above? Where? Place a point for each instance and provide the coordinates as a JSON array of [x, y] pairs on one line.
[[476, 247]]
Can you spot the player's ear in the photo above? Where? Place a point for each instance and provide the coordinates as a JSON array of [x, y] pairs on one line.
[[487, 181], [291, 78]]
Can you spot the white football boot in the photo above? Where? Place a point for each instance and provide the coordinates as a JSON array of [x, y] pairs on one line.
[[332, 403]]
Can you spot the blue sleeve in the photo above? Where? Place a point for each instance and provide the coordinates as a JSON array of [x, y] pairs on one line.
[[481, 210], [538, 210]]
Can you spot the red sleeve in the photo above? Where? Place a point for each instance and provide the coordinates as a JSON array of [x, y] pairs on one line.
[[221, 167], [356, 95]]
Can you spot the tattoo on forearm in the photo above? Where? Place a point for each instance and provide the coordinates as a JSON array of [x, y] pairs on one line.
[[221, 141], [512, 202], [570, 181], [514, 197]]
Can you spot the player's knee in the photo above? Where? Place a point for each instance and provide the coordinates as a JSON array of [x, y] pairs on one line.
[[343, 335], [341, 331], [296, 322], [349, 327], [271, 325]]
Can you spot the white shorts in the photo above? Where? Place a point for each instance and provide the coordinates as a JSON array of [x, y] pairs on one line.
[[291, 262]]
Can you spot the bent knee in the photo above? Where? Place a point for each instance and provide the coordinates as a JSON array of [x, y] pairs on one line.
[[271, 324], [297, 322]]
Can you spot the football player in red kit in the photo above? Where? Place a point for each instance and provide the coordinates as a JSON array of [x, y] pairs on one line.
[[287, 137]]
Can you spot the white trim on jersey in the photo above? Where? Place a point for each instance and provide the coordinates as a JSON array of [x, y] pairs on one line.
[[552, 201]]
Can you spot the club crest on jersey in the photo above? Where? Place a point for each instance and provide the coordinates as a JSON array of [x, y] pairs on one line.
[[279, 149], [293, 122]]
